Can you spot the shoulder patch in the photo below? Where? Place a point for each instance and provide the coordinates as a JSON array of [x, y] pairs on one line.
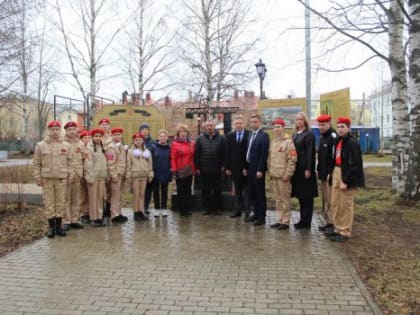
[[110, 156], [292, 152]]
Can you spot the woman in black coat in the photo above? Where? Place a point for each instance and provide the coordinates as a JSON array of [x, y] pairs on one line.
[[304, 186]]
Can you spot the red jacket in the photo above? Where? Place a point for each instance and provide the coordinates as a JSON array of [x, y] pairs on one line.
[[182, 154]]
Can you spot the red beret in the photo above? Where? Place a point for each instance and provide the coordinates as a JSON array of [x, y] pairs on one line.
[[323, 118], [97, 130], [54, 123], [104, 120], [70, 124], [344, 120], [137, 135], [117, 130], [278, 121], [84, 133]]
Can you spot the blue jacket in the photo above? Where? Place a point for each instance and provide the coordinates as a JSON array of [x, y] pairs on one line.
[[161, 162]]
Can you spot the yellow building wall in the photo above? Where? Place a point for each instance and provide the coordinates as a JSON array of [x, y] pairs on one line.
[[130, 117]]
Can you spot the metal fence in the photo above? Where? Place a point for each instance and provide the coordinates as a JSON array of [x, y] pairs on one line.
[[17, 146]]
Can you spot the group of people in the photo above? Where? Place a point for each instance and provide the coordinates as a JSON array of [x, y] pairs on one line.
[[83, 175]]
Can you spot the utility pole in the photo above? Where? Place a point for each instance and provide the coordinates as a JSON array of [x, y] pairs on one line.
[[308, 58]]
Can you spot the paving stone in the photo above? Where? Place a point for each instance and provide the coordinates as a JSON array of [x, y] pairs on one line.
[[190, 266]]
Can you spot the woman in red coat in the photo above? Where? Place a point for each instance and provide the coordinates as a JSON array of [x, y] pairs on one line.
[[182, 167]]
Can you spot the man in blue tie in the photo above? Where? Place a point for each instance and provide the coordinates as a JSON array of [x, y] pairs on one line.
[[235, 163], [256, 157]]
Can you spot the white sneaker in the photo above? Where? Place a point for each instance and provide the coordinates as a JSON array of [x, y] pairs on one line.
[[157, 213], [164, 213]]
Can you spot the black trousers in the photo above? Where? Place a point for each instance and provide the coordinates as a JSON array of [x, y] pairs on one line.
[[306, 210], [257, 197], [241, 196], [148, 194], [211, 191], [183, 192], [160, 195]]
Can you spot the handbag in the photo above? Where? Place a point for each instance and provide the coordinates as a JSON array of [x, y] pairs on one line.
[[184, 172]]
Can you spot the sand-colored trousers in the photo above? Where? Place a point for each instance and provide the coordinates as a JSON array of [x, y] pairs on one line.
[[342, 205], [73, 201], [116, 188], [281, 193], [139, 189], [84, 199], [326, 190], [96, 193], [54, 194]]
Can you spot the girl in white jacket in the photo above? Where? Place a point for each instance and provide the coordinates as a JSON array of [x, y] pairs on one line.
[[139, 172]]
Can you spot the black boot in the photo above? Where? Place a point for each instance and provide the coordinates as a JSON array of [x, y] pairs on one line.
[[51, 228], [107, 210], [58, 228]]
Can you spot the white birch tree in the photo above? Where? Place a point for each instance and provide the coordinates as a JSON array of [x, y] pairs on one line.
[[348, 19]]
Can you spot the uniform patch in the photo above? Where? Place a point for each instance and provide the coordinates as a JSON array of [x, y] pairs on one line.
[[63, 151], [110, 157], [281, 149], [78, 150], [292, 152]]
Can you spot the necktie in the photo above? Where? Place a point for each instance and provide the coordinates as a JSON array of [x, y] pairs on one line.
[[251, 142], [239, 137]]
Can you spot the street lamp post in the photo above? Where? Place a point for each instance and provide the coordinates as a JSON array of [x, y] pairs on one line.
[[261, 70]]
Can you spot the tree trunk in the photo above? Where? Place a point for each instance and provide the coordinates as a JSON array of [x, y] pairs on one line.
[[413, 184], [399, 94]]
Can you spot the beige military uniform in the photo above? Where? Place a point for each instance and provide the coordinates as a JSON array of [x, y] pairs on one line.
[[283, 158], [73, 201], [95, 174], [139, 172], [51, 164], [116, 157]]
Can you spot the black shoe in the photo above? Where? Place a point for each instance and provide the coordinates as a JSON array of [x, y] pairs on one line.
[[85, 219], [275, 225], [300, 226], [141, 216], [339, 238], [66, 227], [117, 220], [147, 211], [51, 229], [76, 226], [330, 232], [98, 223], [123, 218], [207, 212], [58, 230], [107, 210], [259, 222], [235, 214], [217, 212], [324, 227], [283, 227], [251, 218]]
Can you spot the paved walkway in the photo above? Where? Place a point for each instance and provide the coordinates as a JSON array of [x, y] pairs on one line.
[[189, 266]]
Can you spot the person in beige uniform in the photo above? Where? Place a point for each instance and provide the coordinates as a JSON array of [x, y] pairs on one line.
[[283, 158], [116, 157], [83, 193], [105, 125], [95, 173], [73, 201], [139, 173], [52, 158]]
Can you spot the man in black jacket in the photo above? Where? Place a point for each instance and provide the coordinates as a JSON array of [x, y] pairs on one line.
[[209, 162], [235, 163], [325, 163], [347, 176]]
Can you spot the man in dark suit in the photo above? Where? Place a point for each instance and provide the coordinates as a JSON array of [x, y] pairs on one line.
[[256, 157], [235, 163]]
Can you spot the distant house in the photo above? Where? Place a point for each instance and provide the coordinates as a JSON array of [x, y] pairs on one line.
[[381, 107]]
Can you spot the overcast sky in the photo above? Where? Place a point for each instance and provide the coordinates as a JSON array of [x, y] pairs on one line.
[[280, 30]]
